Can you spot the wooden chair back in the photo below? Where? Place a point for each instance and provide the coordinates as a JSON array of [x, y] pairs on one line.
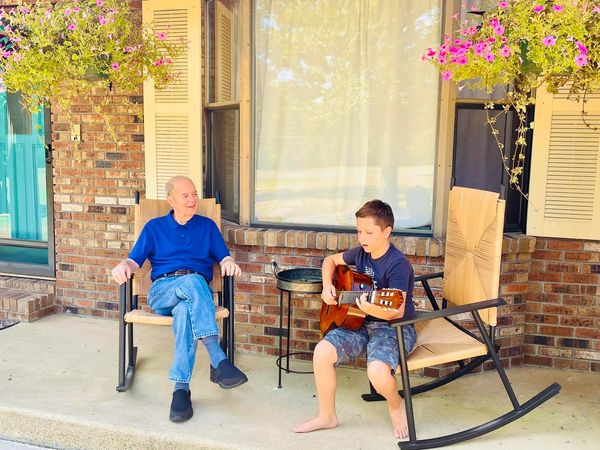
[[147, 210], [473, 248]]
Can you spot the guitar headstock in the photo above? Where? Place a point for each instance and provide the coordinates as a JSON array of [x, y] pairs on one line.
[[388, 298]]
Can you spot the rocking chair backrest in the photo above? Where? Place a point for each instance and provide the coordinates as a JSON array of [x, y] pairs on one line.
[[146, 210], [473, 248]]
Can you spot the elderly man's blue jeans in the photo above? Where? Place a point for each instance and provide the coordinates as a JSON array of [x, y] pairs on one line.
[[189, 300]]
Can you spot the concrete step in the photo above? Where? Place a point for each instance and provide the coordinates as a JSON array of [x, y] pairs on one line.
[[26, 299]]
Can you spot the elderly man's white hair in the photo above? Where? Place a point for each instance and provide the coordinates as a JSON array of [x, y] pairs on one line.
[[171, 183]]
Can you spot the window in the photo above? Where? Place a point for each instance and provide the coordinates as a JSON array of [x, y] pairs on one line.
[[477, 160], [345, 111], [26, 235]]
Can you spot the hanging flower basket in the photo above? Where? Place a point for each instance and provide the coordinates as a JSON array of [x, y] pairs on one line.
[[56, 52], [525, 43]]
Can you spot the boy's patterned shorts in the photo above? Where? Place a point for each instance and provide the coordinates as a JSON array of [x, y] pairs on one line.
[[378, 339]]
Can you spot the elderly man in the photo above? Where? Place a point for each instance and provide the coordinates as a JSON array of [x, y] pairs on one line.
[[182, 248]]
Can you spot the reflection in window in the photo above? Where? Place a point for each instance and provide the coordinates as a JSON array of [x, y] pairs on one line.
[[345, 110], [23, 196], [225, 160]]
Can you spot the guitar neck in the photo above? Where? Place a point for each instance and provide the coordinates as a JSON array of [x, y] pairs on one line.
[[349, 297]]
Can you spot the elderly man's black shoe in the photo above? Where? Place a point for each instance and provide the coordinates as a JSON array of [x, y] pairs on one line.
[[227, 375], [181, 406]]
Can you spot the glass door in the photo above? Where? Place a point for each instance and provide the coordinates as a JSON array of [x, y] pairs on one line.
[[26, 235]]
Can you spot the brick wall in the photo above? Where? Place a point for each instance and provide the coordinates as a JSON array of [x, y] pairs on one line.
[[563, 307], [94, 186]]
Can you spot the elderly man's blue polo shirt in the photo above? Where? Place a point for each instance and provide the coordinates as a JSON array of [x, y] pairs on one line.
[[170, 246]]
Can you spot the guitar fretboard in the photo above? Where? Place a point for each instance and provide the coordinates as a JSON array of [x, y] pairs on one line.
[[349, 297]]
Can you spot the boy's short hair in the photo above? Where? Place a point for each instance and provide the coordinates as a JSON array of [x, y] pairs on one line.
[[380, 211]]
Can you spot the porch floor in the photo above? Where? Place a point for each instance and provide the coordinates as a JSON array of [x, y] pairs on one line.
[[57, 389]]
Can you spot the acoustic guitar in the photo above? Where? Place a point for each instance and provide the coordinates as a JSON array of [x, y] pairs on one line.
[[349, 285]]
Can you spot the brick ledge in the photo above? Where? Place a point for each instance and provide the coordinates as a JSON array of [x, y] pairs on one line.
[[332, 241]]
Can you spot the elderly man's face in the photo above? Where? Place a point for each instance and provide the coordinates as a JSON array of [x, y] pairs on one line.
[[183, 199]]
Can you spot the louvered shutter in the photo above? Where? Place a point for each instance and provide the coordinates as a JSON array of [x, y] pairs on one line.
[[223, 52], [564, 191], [173, 116]]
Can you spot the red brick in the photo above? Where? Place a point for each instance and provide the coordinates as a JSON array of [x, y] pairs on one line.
[[556, 331], [587, 333], [581, 278], [564, 245]]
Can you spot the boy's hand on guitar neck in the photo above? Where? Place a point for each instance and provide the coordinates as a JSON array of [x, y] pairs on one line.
[[329, 294], [378, 311]]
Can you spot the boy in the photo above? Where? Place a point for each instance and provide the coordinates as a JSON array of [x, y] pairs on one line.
[[389, 268]]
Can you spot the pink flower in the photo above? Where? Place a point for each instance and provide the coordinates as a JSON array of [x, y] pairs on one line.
[[489, 57], [549, 41], [442, 59], [499, 29], [67, 12], [558, 8], [446, 75], [430, 52], [480, 48], [538, 9], [17, 57], [115, 66], [158, 62], [72, 27], [462, 60], [581, 60], [102, 20], [505, 51], [582, 48], [161, 35], [24, 10], [6, 53], [99, 2], [76, 9], [596, 9], [502, 4]]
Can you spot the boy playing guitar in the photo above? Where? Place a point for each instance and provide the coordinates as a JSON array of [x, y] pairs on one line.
[[389, 268]]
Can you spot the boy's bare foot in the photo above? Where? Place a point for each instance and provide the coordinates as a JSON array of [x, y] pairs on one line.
[[399, 423], [316, 423]]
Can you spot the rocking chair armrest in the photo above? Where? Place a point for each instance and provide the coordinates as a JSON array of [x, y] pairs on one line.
[[421, 316], [124, 289], [429, 276]]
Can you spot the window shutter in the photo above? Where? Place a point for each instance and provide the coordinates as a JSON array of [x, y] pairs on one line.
[[564, 191], [223, 52], [173, 116]]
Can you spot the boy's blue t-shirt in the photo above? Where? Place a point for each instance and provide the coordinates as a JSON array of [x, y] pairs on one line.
[[392, 270], [170, 246]]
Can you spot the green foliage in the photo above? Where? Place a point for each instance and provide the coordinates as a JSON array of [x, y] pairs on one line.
[[525, 43], [50, 49]]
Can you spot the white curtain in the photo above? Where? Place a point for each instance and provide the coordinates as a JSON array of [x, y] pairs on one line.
[[346, 111]]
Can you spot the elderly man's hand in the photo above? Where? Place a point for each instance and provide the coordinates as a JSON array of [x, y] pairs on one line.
[[229, 267], [122, 271]]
